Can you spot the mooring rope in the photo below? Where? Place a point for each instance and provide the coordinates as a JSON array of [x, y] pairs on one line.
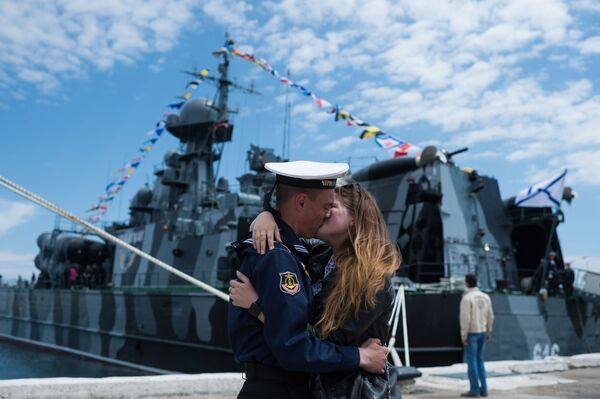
[[109, 237]]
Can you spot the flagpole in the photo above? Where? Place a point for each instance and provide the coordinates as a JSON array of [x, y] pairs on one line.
[[555, 222], [109, 237]]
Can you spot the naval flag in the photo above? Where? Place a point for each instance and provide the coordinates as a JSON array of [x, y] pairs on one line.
[[545, 194]]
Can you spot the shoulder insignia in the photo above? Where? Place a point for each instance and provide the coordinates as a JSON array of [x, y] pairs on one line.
[[288, 283]]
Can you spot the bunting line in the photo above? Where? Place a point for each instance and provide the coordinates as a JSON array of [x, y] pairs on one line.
[[394, 145], [123, 174]]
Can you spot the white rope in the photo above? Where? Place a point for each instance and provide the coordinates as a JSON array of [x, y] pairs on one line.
[[399, 306], [404, 327], [90, 227], [393, 322]]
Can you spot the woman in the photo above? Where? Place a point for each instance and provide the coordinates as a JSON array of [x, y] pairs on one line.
[[352, 287]]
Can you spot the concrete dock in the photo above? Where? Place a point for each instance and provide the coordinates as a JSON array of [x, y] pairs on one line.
[[558, 377]]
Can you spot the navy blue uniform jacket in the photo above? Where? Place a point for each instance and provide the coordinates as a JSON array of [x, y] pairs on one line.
[[285, 296]]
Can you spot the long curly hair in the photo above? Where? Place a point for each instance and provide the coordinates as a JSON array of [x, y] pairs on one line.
[[363, 262]]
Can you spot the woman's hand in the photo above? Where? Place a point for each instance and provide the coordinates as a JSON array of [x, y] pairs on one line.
[[242, 293], [264, 232]]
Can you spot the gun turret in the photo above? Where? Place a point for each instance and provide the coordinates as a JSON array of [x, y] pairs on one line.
[[395, 166]]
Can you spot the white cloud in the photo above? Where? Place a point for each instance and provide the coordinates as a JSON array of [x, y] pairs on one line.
[[229, 13], [583, 166], [308, 116], [590, 45], [465, 68], [458, 66], [155, 67], [8, 256], [43, 42], [586, 5], [13, 265], [480, 73], [340, 144], [584, 262], [13, 214]]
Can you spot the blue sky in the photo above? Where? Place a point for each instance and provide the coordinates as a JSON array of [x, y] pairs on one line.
[[81, 83]]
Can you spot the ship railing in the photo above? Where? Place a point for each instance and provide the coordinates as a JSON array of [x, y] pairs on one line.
[[62, 224], [528, 215], [156, 279], [423, 271], [356, 163], [451, 284], [432, 280], [526, 272]]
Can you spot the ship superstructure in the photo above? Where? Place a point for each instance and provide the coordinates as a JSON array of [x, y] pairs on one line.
[[448, 221]]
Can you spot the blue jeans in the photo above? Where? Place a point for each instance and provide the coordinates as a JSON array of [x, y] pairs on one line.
[[474, 357]]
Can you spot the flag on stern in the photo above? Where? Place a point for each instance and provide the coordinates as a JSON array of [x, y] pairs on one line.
[[545, 194]]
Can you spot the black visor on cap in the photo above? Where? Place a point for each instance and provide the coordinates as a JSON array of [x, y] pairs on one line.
[[304, 183]]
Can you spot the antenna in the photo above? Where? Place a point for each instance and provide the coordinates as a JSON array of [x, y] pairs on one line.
[[287, 116], [215, 81]]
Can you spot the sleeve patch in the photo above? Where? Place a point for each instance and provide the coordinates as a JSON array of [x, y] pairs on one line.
[[288, 283]]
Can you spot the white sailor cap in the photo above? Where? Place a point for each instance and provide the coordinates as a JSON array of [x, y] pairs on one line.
[[308, 174]]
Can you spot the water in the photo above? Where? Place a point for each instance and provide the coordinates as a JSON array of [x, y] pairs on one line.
[[27, 361]]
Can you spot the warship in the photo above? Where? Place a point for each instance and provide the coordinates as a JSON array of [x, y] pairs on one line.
[[448, 221]]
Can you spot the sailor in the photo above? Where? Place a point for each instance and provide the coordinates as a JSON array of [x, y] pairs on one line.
[[279, 354], [552, 267], [551, 272]]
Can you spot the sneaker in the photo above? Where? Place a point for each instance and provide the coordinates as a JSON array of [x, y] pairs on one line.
[[483, 394], [469, 395]]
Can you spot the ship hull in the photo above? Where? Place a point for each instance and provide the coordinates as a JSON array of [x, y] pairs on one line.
[[187, 331], [183, 332], [525, 328]]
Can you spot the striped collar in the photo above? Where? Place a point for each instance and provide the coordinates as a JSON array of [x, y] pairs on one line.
[[291, 240]]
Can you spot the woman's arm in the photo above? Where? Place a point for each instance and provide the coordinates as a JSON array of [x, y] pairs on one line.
[[243, 294], [264, 231]]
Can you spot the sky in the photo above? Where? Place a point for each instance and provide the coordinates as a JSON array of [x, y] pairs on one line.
[[82, 82]]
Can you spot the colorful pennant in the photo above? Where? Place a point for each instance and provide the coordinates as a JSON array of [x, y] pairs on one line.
[[370, 131]]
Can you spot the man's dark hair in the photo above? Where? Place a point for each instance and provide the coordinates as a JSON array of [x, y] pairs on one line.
[[285, 192], [471, 280]]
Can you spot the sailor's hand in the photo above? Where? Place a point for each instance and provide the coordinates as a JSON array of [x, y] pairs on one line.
[[242, 292], [373, 356], [488, 337], [264, 232]]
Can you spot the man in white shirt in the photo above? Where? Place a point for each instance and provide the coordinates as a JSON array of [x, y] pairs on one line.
[[476, 320]]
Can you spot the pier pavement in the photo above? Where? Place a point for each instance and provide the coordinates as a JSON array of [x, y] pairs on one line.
[[558, 377]]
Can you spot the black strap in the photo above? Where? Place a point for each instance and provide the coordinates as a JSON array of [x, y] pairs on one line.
[[267, 200], [255, 310]]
